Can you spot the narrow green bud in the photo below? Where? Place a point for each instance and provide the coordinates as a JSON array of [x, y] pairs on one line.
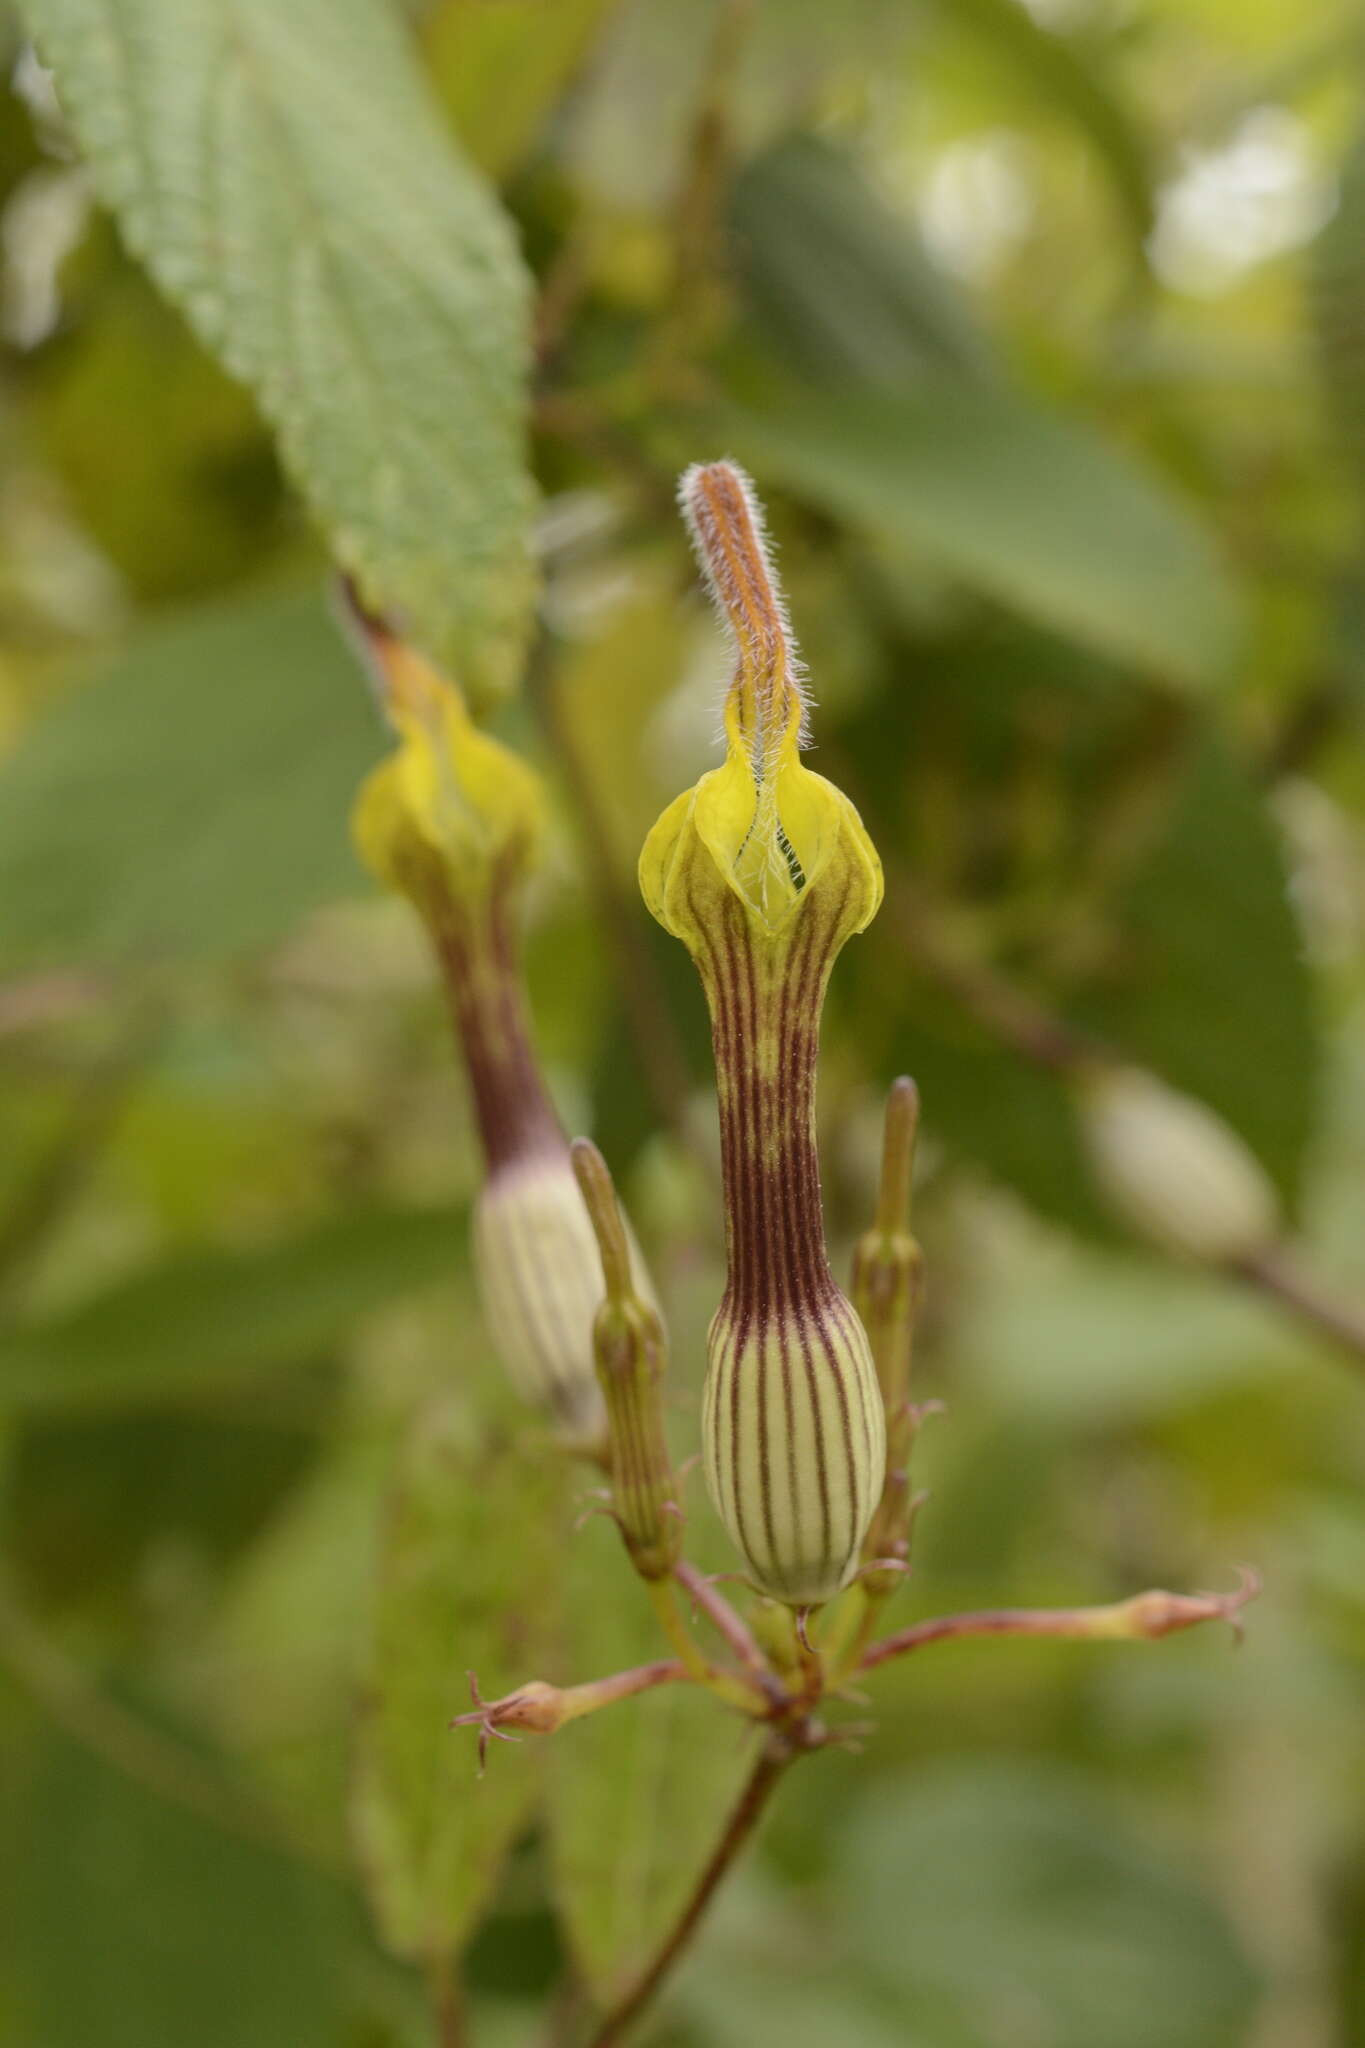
[[631, 1355], [764, 870], [888, 1278]]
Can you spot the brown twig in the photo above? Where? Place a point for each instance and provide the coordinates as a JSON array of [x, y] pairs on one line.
[[774, 1758], [727, 1622], [1277, 1272], [1141, 1619]]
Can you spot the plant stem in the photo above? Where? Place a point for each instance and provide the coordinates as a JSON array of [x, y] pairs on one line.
[[744, 1817], [727, 1685], [1140, 1619], [728, 1623], [1278, 1273]]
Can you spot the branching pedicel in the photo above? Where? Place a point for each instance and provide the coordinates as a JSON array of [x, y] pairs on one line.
[[763, 870]]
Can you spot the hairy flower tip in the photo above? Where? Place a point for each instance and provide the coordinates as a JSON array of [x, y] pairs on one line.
[[795, 1442], [761, 825], [1174, 1170]]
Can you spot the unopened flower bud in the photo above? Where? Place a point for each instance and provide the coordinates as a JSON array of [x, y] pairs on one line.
[[629, 1346], [763, 870], [888, 1276], [1174, 1170], [454, 819]]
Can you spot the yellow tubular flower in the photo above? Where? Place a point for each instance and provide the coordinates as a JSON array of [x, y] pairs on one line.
[[763, 870], [454, 821]]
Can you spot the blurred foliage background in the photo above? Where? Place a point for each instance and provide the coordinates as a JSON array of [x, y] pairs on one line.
[[1042, 329]]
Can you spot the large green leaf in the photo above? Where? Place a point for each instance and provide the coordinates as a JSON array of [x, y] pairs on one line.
[[1071, 83], [138, 1925], [193, 798], [469, 1582], [1014, 1895], [199, 1322], [1033, 509], [1338, 301], [638, 1793], [1207, 981], [285, 175], [842, 286]]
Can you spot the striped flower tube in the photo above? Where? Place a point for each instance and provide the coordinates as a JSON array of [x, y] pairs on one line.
[[453, 820], [763, 870]]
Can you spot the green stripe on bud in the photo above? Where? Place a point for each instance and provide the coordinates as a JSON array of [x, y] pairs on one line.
[[631, 1355]]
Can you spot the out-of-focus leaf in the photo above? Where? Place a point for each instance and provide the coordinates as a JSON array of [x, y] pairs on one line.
[[197, 1323], [1070, 83], [1338, 302], [285, 175], [1208, 982], [501, 66], [469, 1582], [138, 1925], [193, 797], [1105, 1340], [183, 508], [90, 1502], [841, 287], [638, 1793], [1030, 508], [1018, 1894]]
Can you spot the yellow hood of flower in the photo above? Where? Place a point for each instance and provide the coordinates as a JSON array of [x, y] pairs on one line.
[[449, 797]]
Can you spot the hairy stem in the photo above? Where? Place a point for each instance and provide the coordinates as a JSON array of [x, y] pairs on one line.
[[744, 1817]]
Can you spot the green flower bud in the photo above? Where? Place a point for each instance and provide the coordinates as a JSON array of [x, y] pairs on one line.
[[453, 820], [630, 1349], [1173, 1170], [763, 870]]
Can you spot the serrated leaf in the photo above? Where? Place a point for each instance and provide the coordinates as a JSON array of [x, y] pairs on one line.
[[469, 1581], [638, 1793], [1031, 508], [284, 173], [192, 798], [199, 1322]]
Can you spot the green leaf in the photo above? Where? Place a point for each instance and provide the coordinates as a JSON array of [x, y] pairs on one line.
[[137, 1925], [199, 1323], [469, 1583], [841, 286], [1207, 982], [1070, 82], [1015, 1893], [1026, 506], [193, 798], [1338, 305], [285, 175], [501, 67], [638, 1793]]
